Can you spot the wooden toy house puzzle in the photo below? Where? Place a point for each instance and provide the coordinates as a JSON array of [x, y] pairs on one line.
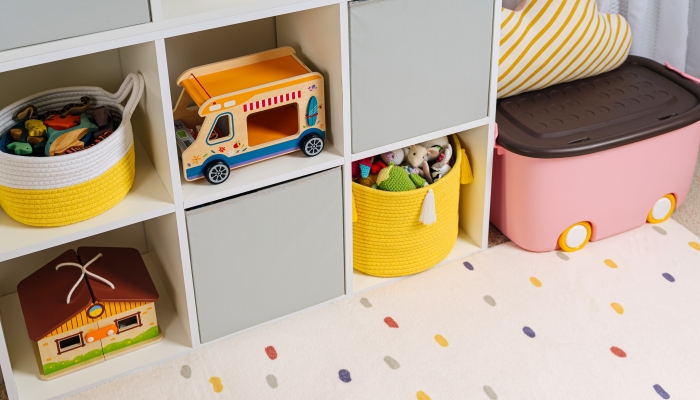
[[241, 111], [87, 307]]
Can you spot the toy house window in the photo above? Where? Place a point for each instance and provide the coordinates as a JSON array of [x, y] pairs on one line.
[[130, 322], [70, 343], [273, 124], [222, 128]]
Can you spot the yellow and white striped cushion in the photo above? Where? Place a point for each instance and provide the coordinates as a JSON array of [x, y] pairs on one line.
[[555, 41]]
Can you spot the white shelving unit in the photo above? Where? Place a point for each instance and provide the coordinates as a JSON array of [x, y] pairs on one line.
[[152, 216]]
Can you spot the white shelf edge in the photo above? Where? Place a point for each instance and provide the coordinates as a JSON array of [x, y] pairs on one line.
[[142, 157], [422, 138], [337, 161], [464, 247], [43, 53], [166, 312]]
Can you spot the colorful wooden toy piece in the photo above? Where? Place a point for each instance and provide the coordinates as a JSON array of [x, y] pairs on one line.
[[20, 148], [250, 109], [77, 320], [54, 146], [35, 127], [59, 123]]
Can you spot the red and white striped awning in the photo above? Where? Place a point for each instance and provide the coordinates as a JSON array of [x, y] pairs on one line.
[[255, 105]]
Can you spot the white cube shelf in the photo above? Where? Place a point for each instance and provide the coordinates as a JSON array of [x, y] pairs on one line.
[[151, 218]]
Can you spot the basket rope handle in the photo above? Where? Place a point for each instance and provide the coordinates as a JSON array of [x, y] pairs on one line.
[[134, 84]]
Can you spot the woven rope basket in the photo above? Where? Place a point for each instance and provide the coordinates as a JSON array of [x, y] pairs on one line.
[[388, 238], [62, 190]]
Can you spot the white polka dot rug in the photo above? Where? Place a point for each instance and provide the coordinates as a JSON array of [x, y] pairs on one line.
[[618, 320]]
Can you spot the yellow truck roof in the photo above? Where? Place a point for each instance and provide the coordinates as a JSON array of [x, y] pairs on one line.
[[213, 80]]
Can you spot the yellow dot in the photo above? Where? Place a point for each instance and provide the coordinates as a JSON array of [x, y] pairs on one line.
[[695, 245], [441, 340], [618, 308], [536, 282], [610, 263], [422, 396], [216, 384], [49, 359]]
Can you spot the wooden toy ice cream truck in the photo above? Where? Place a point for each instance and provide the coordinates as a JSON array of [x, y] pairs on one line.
[[87, 307], [241, 111]]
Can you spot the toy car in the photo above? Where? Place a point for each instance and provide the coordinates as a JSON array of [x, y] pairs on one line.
[[248, 109]]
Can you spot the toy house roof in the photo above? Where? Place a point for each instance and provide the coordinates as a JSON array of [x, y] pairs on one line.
[[43, 294], [209, 81]]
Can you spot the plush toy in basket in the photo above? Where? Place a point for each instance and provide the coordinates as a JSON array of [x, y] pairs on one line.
[[247, 110], [67, 155], [404, 225]]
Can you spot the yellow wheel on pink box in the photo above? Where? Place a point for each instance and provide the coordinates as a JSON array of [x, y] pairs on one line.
[[575, 237], [662, 209]]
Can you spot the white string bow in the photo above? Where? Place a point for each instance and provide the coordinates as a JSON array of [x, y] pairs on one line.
[[84, 270]]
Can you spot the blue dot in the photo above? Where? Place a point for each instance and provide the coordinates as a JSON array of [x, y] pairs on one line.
[[469, 266], [661, 392], [344, 375], [529, 332], [668, 277]]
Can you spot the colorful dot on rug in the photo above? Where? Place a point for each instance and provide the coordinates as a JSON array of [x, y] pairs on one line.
[[562, 256], [490, 301], [536, 282], [610, 263], [668, 277], [661, 392], [186, 371], [422, 396], [390, 321], [489, 392], [344, 375], [216, 384], [271, 352], [393, 364], [529, 332], [618, 308], [695, 245], [618, 352], [660, 230], [271, 381], [441, 341], [469, 266], [365, 302]]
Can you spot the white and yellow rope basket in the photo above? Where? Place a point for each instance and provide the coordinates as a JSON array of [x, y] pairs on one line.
[[389, 238], [62, 190]]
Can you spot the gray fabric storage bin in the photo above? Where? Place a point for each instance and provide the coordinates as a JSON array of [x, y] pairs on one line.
[[417, 66], [267, 254], [28, 22]]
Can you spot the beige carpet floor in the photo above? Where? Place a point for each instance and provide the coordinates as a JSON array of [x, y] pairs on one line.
[[616, 321]]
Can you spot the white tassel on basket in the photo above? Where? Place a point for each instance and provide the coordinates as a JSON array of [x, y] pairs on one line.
[[427, 214]]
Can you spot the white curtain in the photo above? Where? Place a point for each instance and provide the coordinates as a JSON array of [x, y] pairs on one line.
[[663, 30]]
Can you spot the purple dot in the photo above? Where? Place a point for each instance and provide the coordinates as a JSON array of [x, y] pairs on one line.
[[344, 375], [668, 277], [529, 332], [661, 392], [469, 266]]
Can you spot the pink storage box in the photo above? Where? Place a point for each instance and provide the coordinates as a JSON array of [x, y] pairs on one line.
[[596, 157]]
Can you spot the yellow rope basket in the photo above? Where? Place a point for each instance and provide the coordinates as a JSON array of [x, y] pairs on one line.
[[388, 238], [71, 204]]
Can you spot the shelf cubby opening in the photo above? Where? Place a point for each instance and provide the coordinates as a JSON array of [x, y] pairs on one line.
[[151, 193], [156, 240], [315, 36], [473, 221]]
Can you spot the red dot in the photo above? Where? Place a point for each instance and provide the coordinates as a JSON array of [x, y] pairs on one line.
[[271, 352], [618, 352], [390, 321]]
